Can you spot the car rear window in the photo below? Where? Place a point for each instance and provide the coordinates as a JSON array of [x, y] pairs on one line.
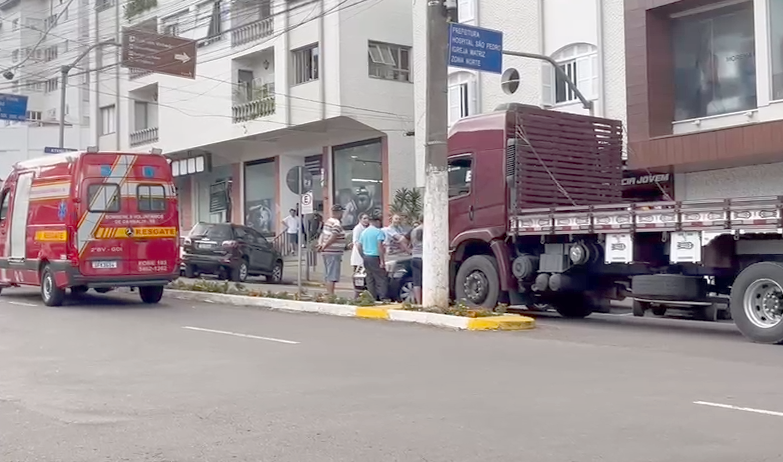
[[103, 197], [212, 231], [151, 198]]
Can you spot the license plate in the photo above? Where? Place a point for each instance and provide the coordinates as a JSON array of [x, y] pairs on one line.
[[205, 245], [104, 264], [358, 282]]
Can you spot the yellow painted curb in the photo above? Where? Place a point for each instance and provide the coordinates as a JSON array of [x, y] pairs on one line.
[[505, 322], [372, 312]]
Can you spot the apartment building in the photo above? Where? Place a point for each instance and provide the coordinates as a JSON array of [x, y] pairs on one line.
[[323, 84], [585, 37], [37, 37], [705, 94]]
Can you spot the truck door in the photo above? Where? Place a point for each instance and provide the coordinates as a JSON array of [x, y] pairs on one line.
[[19, 214], [461, 194]]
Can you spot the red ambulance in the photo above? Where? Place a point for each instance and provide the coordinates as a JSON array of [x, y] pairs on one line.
[[82, 220]]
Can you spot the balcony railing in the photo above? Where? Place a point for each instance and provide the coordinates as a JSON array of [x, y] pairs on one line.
[[254, 109], [252, 32], [144, 136]]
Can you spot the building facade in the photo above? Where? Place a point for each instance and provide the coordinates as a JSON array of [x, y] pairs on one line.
[[322, 84], [705, 94], [585, 37], [37, 37]]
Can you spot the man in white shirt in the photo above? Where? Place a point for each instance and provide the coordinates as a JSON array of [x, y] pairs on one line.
[[292, 223]]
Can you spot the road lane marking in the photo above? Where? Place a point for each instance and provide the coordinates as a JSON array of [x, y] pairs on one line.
[[10, 302], [737, 408], [235, 334]]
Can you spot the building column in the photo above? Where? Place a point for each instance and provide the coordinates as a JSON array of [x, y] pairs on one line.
[[185, 198], [237, 194]]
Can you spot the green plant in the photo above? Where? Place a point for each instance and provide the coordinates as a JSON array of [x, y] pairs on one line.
[[408, 203], [365, 299], [136, 7]]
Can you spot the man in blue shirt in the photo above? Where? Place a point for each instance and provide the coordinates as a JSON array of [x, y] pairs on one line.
[[370, 247]]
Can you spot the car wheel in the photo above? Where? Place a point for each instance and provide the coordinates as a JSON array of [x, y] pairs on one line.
[[151, 294], [239, 274], [406, 292], [277, 273], [190, 271], [50, 293]]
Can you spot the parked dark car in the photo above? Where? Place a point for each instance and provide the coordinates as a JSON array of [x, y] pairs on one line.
[[400, 280], [231, 252]]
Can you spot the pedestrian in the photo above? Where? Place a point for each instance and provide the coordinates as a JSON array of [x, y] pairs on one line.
[[396, 243], [356, 257], [292, 224], [331, 245], [370, 247], [417, 248]]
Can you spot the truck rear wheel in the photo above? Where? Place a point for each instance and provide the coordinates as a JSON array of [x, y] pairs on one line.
[[573, 305], [757, 302], [478, 282], [50, 293]]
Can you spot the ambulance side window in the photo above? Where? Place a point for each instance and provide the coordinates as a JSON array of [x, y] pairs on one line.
[[4, 205], [103, 197], [151, 197]]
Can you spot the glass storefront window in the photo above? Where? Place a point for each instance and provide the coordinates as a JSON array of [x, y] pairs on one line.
[[260, 194], [776, 47], [714, 62], [358, 180]]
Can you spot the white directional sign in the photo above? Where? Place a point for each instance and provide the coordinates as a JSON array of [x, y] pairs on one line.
[[307, 203]]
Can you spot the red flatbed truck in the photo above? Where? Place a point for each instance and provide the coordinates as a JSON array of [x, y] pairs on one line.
[[537, 218]]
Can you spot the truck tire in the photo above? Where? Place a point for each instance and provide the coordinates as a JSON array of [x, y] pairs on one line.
[[151, 294], [478, 282], [669, 287], [50, 293], [573, 305], [639, 308], [757, 302]]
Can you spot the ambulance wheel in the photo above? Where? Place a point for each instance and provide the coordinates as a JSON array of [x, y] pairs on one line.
[[151, 294], [50, 293]]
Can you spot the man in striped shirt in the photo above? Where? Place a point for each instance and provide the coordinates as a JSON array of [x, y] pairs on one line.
[[332, 246]]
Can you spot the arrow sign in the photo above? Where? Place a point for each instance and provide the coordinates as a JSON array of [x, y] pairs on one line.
[[164, 54]]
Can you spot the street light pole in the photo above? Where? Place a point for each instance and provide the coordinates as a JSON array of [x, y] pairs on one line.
[[64, 70]]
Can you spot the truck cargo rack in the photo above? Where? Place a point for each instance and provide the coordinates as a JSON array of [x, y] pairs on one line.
[[746, 214]]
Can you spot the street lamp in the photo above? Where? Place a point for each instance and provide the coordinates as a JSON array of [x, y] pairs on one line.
[[64, 70]]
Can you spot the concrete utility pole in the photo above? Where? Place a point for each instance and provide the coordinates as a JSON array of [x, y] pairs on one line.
[[64, 70], [435, 258]]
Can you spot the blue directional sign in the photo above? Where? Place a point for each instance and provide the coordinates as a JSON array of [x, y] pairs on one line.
[[53, 150], [13, 107], [475, 48]]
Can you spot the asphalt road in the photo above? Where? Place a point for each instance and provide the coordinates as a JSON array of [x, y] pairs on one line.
[[108, 379]]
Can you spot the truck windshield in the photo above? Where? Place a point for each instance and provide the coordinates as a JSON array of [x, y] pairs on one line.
[[218, 232]]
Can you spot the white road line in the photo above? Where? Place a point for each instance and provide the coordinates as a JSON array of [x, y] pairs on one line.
[[736, 408], [235, 334], [21, 303]]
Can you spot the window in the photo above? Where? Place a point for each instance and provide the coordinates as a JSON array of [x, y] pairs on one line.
[[305, 64], [140, 115], [460, 176], [215, 28], [34, 115], [580, 63], [4, 204], [151, 198], [103, 197], [391, 62], [15, 56], [715, 62], [52, 84], [243, 235], [466, 10], [15, 24], [108, 120], [260, 196], [358, 179], [50, 53], [172, 24], [462, 96]]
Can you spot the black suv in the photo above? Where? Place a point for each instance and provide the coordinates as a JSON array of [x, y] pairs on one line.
[[231, 252]]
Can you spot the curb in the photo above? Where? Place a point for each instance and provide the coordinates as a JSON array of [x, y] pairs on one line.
[[385, 312]]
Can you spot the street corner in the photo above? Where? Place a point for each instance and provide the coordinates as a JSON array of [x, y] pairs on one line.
[[376, 312], [504, 322]]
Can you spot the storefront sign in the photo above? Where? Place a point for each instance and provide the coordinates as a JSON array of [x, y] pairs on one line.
[[647, 179]]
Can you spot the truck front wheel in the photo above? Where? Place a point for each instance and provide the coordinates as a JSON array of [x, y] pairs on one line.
[[478, 282], [757, 302], [573, 305]]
